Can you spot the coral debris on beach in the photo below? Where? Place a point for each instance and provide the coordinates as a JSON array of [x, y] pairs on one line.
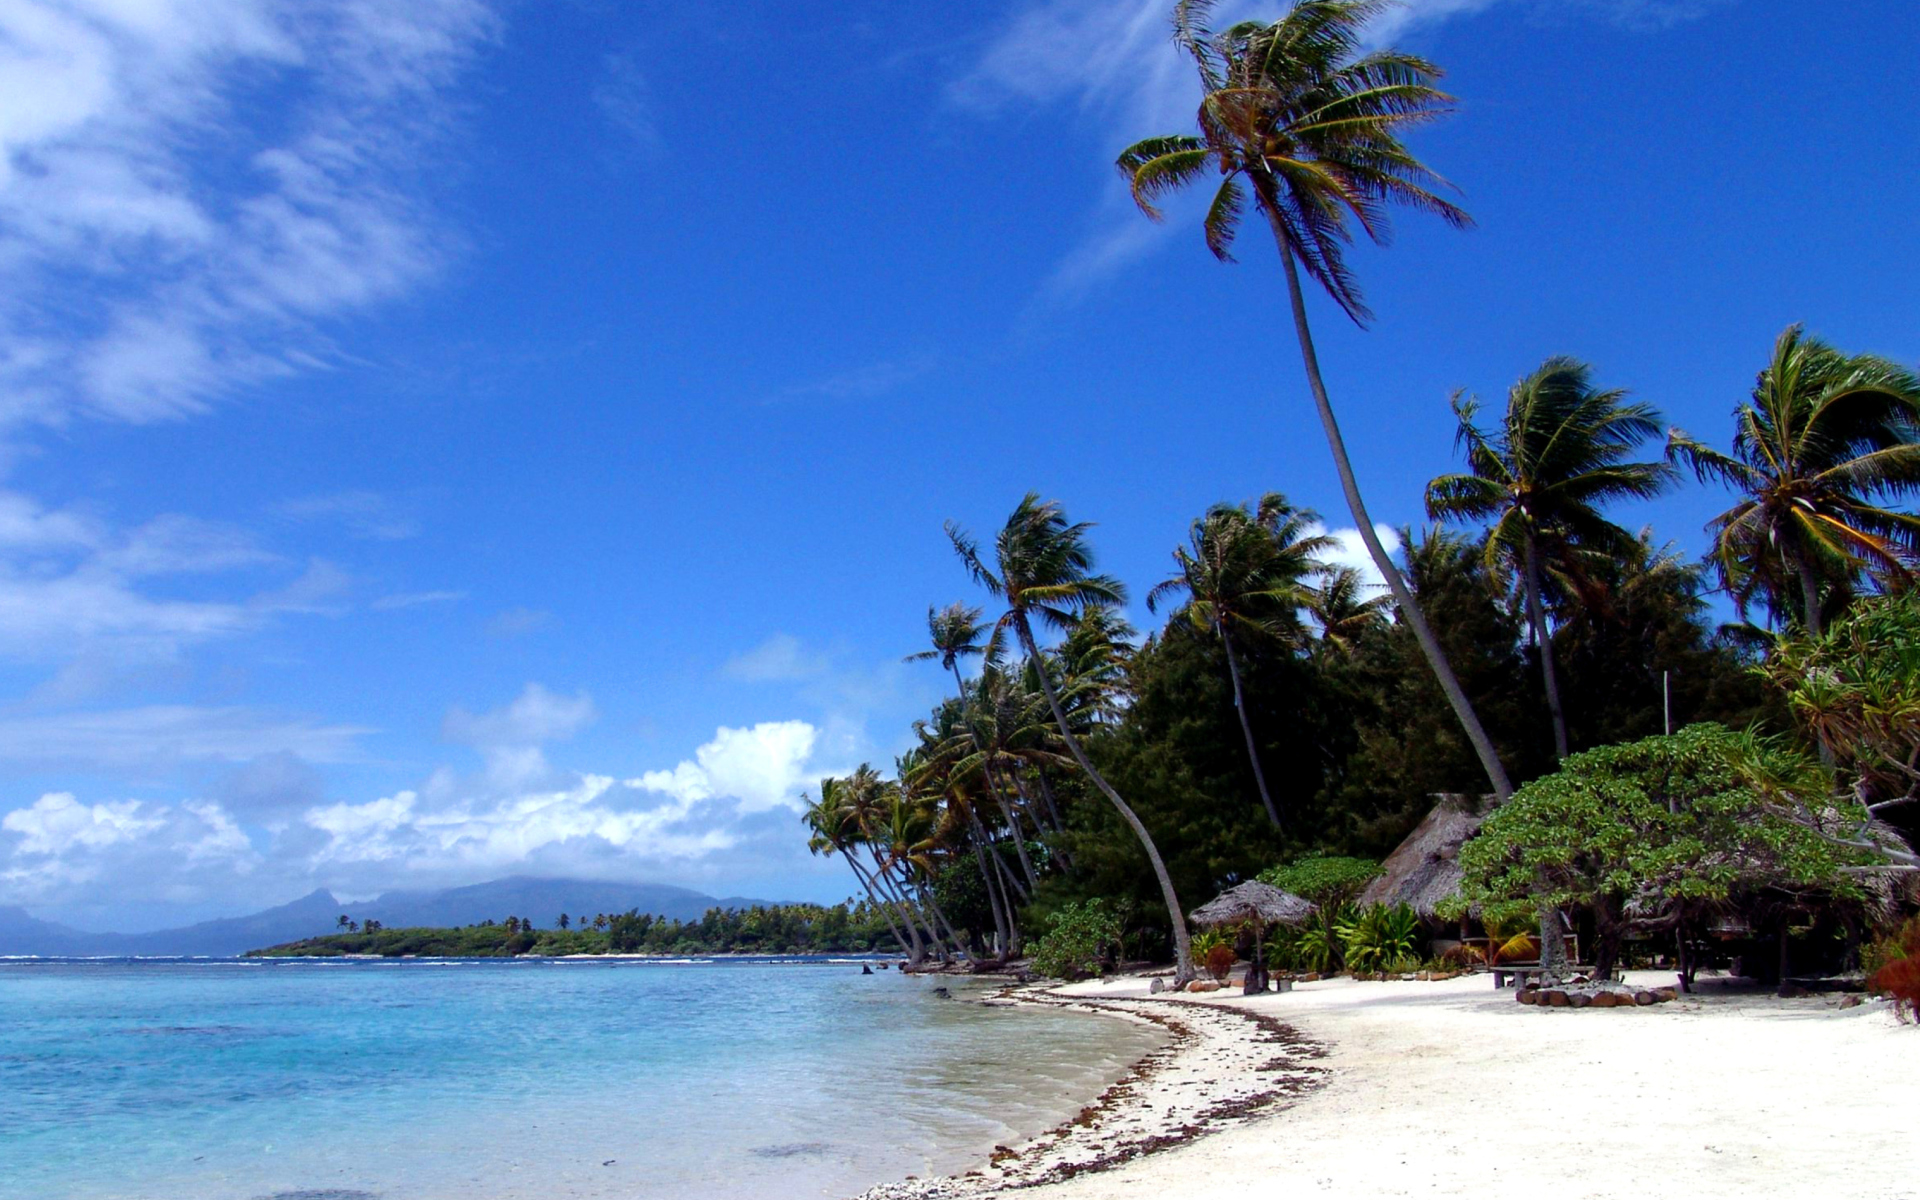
[[1210, 1076]]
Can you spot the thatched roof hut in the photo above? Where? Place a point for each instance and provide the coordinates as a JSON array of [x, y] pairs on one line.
[[1261, 903], [1425, 869]]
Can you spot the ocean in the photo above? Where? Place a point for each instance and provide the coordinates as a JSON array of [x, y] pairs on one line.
[[426, 1079]]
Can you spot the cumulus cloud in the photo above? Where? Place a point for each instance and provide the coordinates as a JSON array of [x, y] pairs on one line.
[[1350, 551], [57, 849], [764, 767], [535, 716], [456, 828], [161, 245], [265, 833]]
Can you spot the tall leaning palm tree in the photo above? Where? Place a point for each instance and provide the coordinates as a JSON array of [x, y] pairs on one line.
[[1243, 578], [1298, 121], [1540, 479], [1043, 569], [1825, 437]]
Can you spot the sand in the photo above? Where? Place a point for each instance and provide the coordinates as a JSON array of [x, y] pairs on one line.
[[1452, 1089]]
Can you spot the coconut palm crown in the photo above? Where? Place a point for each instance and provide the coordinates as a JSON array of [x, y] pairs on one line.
[[1242, 577], [1299, 121], [1540, 479], [1825, 436]]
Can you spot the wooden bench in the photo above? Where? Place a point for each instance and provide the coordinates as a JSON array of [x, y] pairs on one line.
[[1518, 972], [1522, 972]]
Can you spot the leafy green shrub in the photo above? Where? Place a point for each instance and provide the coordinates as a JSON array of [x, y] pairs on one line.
[[1313, 946], [1075, 944], [1382, 938], [1328, 880]]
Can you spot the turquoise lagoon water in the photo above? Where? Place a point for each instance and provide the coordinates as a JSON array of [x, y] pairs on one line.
[[499, 1080]]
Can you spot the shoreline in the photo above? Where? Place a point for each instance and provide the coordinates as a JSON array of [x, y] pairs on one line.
[[1451, 1089], [1220, 1068]]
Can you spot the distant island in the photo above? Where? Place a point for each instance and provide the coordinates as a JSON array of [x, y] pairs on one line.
[[761, 929]]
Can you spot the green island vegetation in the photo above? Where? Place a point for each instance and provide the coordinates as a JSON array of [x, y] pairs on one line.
[[1681, 778], [855, 927]]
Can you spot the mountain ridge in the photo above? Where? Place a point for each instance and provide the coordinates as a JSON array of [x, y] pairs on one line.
[[540, 900]]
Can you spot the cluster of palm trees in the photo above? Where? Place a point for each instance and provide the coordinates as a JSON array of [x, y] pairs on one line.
[[1301, 126], [978, 789]]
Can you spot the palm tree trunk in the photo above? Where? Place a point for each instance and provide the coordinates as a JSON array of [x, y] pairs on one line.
[[1182, 945], [933, 906], [993, 784], [903, 888], [1810, 595], [1240, 707], [1552, 950], [1019, 841], [918, 950], [995, 904], [1402, 594], [1008, 879], [1543, 641], [886, 910], [1046, 797]]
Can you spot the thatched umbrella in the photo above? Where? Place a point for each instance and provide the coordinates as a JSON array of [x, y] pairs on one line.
[[1263, 905]]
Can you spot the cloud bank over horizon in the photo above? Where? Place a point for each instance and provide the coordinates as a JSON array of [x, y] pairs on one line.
[[735, 796]]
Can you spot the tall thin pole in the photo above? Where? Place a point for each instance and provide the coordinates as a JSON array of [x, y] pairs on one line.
[[1666, 700]]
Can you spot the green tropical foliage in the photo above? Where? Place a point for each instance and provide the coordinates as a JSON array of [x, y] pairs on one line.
[[1381, 937], [1540, 479], [848, 928], [1825, 439], [1244, 578], [1299, 120], [1330, 881], [1081, 940], [1668, 826]]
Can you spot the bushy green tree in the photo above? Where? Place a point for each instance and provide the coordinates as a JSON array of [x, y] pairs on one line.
[[1670, 824], [1079, 942], [1330, 881]]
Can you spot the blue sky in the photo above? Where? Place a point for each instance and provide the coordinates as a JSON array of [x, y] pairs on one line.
[[453, 439]]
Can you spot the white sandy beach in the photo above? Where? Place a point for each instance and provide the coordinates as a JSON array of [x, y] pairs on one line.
[[1452, 1089]]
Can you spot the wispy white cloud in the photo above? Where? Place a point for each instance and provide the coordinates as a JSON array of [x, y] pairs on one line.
[[158, 737], [625, 101], [534, 717], [401, 600], [363, 514], [518, 622], [782, 658], [162, 246], [868, 381], [1114, 62]]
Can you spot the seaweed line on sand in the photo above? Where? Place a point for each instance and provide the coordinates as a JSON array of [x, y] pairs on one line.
[[1211, 1075]]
